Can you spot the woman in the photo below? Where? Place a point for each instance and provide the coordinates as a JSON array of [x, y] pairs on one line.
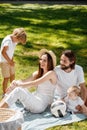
[[44, 79]]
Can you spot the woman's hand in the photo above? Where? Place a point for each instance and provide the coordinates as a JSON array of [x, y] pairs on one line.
[[13, 85]]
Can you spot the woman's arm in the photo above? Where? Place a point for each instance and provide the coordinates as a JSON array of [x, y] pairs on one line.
[[30, 78], [15, 83], [48, 76]]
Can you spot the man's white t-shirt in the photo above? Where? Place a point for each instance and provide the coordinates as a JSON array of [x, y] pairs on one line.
[[7, 41], [66, 80]]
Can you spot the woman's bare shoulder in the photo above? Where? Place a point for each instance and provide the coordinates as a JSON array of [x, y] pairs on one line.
[[35, 74]]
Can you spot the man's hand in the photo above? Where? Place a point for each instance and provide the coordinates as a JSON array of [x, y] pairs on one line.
[[79, 108]]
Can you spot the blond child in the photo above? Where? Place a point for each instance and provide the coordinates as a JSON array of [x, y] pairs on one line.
[[74, 102], [6, 55]]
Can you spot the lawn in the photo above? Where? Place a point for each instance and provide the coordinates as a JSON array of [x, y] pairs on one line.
[[51, 26]]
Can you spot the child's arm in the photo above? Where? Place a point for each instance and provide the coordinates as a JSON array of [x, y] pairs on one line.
[[5, 48]]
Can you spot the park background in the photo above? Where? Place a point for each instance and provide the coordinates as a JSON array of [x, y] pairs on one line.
[[54, 25]]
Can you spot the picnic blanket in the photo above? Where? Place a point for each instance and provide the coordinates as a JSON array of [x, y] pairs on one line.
[[45, 120]]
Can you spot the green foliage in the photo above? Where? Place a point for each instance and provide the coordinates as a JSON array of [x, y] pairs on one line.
[[51, 26]]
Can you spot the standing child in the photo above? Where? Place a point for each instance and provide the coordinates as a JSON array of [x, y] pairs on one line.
[[74, 101], [6, 55]]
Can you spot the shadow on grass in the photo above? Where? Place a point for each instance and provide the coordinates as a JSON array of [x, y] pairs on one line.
[[47, 21], [13, 16]]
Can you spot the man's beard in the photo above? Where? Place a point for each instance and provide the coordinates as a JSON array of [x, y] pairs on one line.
[[63, 67]]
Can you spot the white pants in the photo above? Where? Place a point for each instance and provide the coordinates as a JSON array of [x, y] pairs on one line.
[[36, 103]]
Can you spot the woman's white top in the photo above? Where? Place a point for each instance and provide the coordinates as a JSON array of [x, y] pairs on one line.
[[46, 89]]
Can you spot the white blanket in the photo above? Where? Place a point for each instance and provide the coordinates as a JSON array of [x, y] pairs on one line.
[[46, 120]]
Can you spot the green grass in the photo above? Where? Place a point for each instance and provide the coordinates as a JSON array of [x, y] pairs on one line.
[[55, 27]]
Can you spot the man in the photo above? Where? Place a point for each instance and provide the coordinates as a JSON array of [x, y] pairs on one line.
[[70, 74]]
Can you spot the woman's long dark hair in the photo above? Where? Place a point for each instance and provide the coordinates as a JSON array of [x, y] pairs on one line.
[[49, 65]]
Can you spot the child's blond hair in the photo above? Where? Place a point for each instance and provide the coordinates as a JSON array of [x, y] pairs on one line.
[[74, 89], [20, 33]]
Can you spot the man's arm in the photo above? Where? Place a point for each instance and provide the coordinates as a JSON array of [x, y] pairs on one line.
[[83, 92]]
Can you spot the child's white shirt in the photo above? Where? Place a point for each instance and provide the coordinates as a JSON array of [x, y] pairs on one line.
[[71, 104]]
